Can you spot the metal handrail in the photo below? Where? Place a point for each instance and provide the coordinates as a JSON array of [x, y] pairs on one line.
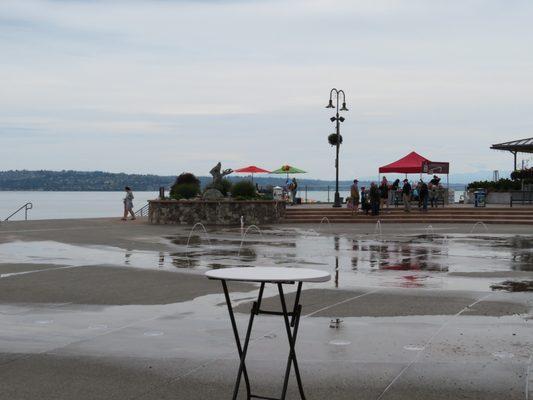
[[141, 212], [25, 207]]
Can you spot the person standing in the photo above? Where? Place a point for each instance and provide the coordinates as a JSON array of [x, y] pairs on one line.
[[435, 181], [433, 195], [128, 204], [424, 195], [294, 190], [393, 193], [375, 198], [365, 206], [354, 196], [287, 190], [384, 192], [406, 195]]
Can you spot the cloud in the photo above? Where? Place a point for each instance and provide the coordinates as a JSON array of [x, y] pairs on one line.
[[177, 85]]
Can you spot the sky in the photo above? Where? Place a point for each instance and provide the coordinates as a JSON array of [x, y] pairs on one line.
[[166, 86]]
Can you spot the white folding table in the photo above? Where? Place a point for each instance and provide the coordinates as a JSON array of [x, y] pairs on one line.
[[279, 276]]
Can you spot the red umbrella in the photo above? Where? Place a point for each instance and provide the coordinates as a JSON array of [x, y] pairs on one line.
[[252, 169]]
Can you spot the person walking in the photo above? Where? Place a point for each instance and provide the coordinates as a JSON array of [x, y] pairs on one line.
[[424, 195], [128, 204], [354, 196], [375, 198], [406, 195]]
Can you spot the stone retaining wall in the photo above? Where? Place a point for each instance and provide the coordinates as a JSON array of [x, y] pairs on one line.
[[215, 212]]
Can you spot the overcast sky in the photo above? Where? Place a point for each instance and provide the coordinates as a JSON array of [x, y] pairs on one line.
[[169, 86]]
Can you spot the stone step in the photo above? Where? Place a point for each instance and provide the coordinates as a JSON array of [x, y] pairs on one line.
[[413, 220], [433, 210], [413, 214]]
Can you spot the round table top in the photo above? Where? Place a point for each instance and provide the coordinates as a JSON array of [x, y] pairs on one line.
[[269, 274]]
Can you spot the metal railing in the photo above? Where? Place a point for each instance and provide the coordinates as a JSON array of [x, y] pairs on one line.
[[521, 197], [25, 207], [309, 189], [141, 212]]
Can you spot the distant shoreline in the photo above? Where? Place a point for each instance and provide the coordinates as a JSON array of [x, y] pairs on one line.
[[99, 181]]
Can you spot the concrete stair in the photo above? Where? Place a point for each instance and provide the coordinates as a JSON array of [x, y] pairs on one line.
[[492, 215]]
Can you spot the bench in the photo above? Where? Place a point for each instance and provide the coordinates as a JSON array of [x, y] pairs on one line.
[[521, 197]]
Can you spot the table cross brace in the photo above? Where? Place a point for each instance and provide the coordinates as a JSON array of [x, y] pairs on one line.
[[291, 327]]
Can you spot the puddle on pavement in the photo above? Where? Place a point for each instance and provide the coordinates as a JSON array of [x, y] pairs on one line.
[[153, 333], [514, 286], [411, 347], [340, 342], [408, 261]]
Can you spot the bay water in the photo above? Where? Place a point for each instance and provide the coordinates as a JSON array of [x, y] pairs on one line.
[[60, 205]]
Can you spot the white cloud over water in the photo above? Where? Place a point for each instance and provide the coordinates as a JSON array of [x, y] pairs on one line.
[[167, 86]]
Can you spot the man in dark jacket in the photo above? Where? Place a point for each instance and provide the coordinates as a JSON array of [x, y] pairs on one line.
[[406, 195], [424, 195], [374, 198]]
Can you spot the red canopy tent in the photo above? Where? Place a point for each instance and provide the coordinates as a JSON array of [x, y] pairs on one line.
[[414, 163], [410, 164]]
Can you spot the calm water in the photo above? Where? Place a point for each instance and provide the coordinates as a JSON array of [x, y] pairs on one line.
[[58, 205]]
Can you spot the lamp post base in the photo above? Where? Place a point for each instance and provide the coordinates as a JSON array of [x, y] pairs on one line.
[[337, 201]]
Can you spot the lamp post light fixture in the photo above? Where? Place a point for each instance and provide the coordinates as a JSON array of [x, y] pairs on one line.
[[337, 119]]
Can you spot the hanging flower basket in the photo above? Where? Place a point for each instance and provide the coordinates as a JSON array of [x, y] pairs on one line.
[[332, 139]]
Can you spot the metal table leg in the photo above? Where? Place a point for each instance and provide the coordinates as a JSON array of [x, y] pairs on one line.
[[291, 335], [242, 367]]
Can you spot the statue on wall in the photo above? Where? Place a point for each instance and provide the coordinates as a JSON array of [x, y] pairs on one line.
[[218, 174]]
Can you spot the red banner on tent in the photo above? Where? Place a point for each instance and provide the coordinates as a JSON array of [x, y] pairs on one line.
[[435, 167]]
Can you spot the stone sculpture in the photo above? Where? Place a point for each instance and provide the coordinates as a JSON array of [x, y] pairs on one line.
[[218, 174]]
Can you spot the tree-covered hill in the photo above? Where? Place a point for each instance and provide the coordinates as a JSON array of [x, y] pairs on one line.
[[79, 181], [107, 181]]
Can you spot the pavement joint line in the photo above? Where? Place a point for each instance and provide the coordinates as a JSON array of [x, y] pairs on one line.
[[8, 275], [341, 302], [428, 343], [207, 363], [50, 229]]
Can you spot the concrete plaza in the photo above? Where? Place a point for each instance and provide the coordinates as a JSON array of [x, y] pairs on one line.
[[105, 309]]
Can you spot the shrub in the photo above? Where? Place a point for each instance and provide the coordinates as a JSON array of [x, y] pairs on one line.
[[187, 177], [525, 174], [224, 187], [186, 186], [184, 191], [501, 185], [244, 190], [332, 139]]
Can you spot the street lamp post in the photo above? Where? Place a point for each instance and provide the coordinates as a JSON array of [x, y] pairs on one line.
[[337, 119]]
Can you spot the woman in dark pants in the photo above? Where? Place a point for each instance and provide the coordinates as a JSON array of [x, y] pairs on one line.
[[424, 195], [375, 198]]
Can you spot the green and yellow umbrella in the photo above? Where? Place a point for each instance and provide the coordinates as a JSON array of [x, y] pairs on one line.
[[288, 169]]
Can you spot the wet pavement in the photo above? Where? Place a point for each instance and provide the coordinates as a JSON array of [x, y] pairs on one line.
[[100, 309]]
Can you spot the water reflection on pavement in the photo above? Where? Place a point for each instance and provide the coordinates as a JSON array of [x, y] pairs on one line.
[[454, 261]]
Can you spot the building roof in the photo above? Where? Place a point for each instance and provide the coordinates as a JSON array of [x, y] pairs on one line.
[[521, 146]]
